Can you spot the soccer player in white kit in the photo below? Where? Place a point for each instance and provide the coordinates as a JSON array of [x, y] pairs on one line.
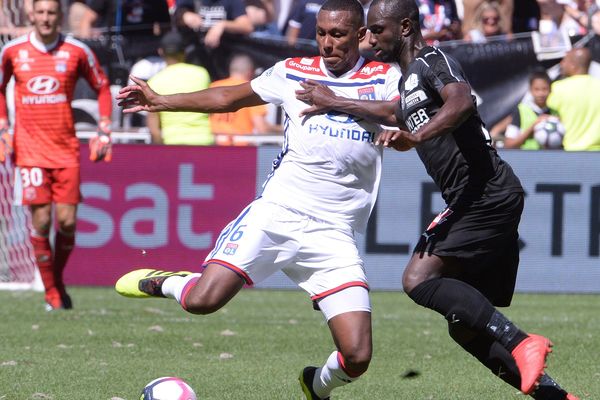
[[321, 190]]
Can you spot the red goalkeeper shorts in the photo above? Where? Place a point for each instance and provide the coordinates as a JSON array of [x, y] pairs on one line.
[[36, 185]]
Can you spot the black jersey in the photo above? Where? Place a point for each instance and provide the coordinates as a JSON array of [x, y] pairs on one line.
[[463, 163]]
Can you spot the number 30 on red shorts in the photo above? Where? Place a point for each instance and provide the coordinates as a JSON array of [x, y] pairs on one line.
[[36, 185]]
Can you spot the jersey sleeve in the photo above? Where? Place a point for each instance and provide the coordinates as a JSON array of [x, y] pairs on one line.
[[6, 71], [391, 92], [443, 70], [269, 85], [391, 84], [90, 70]]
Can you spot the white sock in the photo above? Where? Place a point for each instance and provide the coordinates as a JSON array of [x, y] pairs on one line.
[[173, 286], [330, 376]]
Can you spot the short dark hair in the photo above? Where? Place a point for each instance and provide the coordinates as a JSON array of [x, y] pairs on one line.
[[539, 74], [400, 9], [353, 6], [172, 43]]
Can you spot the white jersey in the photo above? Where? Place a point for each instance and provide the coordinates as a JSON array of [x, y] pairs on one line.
[[329, 167]]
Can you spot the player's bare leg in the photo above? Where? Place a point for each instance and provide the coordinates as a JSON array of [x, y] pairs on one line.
[[427, 280], [197, 293], [351, 332], [211, 291]]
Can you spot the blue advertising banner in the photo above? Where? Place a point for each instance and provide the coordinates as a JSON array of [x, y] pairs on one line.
[[560, 228]]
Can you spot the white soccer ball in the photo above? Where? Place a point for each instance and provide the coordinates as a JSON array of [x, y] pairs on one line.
[[549, 133], [168, 388]]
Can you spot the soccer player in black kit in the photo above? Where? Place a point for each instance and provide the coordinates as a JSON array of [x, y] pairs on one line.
[[466, 261]]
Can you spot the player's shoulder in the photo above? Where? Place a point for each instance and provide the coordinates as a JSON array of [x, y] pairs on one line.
[[432, 57], [76, 45], [307, 66], [15, 44], [371, 69]]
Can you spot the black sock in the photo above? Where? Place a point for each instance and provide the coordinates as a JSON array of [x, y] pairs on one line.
[[548, 390], [489, 352], [504, 331], [455, 300]]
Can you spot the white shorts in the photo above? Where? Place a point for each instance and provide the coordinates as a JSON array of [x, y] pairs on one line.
[[320, 257], [355, 298]]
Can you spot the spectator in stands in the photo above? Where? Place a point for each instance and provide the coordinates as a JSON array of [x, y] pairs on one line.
[[551, 16], [439, 20], [471, 11], [203, 24], [140, 22], [178, 77], [303, 19], [245, 121], [532, 110], [583, 14], [78, 20], [135, 18], [577, 102], [262, 15], [14, 18], [283, 8], [526, 16], [487, 23], [212, 18]]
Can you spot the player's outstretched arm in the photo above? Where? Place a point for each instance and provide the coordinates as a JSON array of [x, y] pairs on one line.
[[322, 99], [140, 97]]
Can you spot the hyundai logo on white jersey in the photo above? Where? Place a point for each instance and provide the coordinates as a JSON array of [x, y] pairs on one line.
[[43, 84]]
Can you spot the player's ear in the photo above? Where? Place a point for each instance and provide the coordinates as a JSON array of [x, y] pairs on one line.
[[406, 27], [362, 32]]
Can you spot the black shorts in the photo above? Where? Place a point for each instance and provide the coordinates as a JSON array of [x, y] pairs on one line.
[[483, 239]]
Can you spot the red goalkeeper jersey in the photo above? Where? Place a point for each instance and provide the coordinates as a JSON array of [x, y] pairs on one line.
[[45, 78]]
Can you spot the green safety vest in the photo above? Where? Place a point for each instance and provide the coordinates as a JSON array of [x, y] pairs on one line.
[[528, 117]]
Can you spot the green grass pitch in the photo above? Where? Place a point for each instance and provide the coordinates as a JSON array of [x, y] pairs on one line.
[[109, 347]]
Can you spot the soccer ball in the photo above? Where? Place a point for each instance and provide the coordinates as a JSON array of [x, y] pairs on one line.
[[168, 388], [549, 133]]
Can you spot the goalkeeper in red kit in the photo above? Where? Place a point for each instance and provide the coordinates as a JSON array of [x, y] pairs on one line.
[[46, 66]]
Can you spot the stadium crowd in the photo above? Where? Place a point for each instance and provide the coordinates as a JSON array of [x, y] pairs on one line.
[[132, 30], [441, 20]]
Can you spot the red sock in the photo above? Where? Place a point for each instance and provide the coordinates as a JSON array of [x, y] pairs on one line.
[[43, 257], [63, 246]]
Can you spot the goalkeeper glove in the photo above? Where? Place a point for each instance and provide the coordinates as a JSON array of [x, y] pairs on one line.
[[6, 142], [101, 145]]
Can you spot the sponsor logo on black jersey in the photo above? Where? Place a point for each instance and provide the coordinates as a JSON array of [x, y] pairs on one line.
[[417, 120], [411, 82], [414, 98]]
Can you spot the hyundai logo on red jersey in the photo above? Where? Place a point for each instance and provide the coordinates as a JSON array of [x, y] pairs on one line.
[[43, 84]]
